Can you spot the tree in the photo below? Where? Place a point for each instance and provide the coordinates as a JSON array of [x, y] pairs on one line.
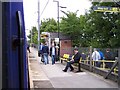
[[97, 29], [48, 25], [103, 28], [34, 35], [71, 26]]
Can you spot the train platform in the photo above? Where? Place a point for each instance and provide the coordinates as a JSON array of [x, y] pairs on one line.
[[52, 76]]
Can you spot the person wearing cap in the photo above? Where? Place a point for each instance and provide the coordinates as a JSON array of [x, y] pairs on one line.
[[75, 59]]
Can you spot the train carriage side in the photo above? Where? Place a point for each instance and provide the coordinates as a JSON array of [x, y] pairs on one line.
[[13, 46]]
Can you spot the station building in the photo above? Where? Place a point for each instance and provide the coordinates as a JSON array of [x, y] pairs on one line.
[[64, 40]]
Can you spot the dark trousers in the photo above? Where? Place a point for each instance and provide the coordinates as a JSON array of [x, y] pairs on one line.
[[28, 49], [42, 58], [53, 59], [108, 65], [98, 64], [69, 65]]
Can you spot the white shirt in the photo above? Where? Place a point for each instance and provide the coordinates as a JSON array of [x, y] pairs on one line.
[[96, 56], [40, 47], [53, 50]]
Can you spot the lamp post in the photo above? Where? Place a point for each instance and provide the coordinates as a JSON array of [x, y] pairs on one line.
[[57, 15], [38, 24], [31, 36], [58, 26]]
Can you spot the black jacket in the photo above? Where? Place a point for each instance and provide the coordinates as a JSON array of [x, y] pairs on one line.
[[51, 51], [77, 57], [109, 56], [45, 49]]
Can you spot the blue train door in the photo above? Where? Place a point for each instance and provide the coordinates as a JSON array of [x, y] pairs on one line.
[[0, 46], [13, 45]]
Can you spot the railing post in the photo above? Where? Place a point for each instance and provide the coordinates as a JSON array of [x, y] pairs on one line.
[[90, 58], [104, 64]]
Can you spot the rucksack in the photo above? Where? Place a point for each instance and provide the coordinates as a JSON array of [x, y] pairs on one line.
[[101, 55]]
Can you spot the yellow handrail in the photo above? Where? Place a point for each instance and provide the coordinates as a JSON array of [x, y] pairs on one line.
[[103, 63]]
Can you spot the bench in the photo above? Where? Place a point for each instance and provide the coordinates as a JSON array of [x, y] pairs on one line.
[[65, 58]]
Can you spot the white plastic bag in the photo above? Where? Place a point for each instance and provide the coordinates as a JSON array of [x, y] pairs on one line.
[[39, 59]]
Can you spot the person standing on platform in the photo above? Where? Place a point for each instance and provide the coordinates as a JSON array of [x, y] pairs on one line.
[[101, 57], [40, 52], [28, 48], [53, 53], [45, 51], [109, 56], [96, 56]]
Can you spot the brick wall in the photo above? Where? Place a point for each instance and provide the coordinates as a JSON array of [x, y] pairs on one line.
[[65, 47]]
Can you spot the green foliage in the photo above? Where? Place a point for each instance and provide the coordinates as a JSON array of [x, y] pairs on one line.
[[42, 40], [34, 34], [48, 25], [103, 27], [71, 26], [97, 29]]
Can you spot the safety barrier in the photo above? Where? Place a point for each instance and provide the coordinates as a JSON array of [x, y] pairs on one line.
[[102, 66]]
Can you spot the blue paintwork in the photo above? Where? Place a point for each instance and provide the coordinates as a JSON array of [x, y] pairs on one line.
[[12, 55]]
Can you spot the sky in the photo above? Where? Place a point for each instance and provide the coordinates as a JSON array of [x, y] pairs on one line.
[[31, 10]]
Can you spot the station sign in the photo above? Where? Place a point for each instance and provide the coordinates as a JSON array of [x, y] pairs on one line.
[[106, 9], [57, 40]]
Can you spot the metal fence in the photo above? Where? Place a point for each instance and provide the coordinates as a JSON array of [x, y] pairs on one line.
[[103, 64], [100, 64]]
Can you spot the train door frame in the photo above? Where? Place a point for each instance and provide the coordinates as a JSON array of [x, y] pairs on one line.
[[0, 46]]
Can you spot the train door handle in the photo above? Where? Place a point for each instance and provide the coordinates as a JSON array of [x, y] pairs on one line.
[[16, 42]]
